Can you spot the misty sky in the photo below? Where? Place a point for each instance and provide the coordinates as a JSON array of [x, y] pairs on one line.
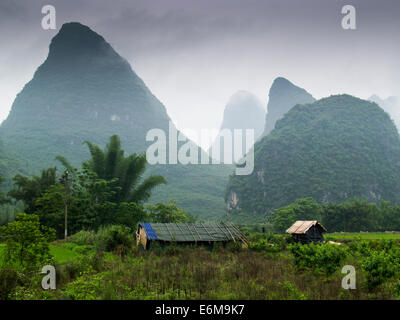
[[195, 54]]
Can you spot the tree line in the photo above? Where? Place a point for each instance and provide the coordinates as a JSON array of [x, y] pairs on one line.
[[109, 188], [353, 215]]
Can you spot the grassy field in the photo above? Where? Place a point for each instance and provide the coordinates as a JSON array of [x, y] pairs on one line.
[[266, 270], [362, 236], [62, 253]]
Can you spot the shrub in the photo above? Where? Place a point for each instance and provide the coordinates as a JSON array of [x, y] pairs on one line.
[[291, 292], [86, 287], [115, 238], [324, 258], [27, 242], [8, 282], [270, 243], [84, 237], [379, 266]]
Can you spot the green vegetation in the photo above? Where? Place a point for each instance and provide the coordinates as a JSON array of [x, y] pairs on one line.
[[110, 266], [66, 252], [165, 213], [124, 172], [338, 236], [108, 190], [27, 242], [350, 216], [59, 109], [332, 150], [318, 257]]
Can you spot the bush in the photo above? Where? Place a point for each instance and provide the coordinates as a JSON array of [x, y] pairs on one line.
[[116, 238], [27, 242], [84, 237], [379, 266], [269, 242], [324, 258], [8, 282], [291, 292]]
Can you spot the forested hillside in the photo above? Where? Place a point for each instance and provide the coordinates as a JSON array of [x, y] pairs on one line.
[[334, 149], [87, 91]]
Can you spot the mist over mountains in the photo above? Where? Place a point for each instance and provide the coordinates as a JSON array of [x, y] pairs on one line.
[[85, 90], [332, 149], [391, 105], [243, 111], [283, 96]]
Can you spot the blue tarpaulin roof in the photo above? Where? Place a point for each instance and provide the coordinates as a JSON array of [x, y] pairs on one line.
[[149, 231], [192, 232]]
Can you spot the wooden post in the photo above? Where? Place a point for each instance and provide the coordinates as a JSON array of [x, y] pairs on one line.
[[64, 180], [66, 208]]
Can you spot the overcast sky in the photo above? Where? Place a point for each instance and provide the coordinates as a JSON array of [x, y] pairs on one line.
[[195, 54]]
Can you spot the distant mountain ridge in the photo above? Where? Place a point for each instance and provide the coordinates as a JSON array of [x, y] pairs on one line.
[[391, 105], [84, 90], [243, 111], [334, 149], [283, 96]]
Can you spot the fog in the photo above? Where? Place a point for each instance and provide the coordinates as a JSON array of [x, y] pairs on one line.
[[194, 55]]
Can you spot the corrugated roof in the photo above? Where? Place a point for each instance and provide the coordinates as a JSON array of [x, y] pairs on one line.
[[192, 232], [301, 227]]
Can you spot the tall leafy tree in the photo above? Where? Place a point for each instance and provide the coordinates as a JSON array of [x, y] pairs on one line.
[[302, 209], [29, 189], [166, 213], [27, 242], [127, 171]]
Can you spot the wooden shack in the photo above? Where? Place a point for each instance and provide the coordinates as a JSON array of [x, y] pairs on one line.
[[188, 233], [307, 231]]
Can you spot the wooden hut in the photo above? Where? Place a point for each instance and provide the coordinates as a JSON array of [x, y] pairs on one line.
[[307, 231], [188, 233]]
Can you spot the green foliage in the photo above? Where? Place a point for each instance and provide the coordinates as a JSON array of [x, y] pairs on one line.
[[27, 242], [96, 194], [115, 238], [269, 242], [9, 279], [324, 258], [332, 150], [29, 189], [167, 213], [86, 287], [292, 293], [112, 164], [353, 215], [302, 209], [84, 237], [379, 266]]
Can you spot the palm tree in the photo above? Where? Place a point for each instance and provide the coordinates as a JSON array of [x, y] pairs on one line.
[[111, 163]]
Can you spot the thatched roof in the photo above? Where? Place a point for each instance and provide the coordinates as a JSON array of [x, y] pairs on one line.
[[301, 227], [192, 232]]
